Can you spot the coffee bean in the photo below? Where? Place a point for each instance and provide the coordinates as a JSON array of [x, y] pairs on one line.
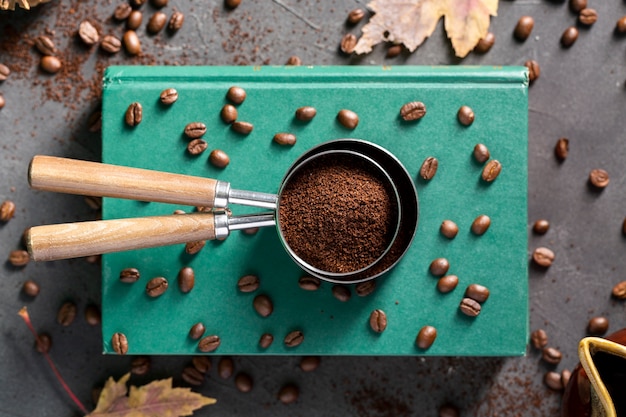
[[156, 286], [248, 283], [569, 36], [543, 257], [534, 71], [186, 279], [225, 368], [168, 96], [136, 4], [598, 326], [341, 292], [599, 178], [263, 305], [229, 113], [541, 227], [243, 128], [285, 139], [413, 110], [306, 113], [243, 382], [477, 292], [4, 72], [219, 158], [309, 283], [235, 94], [449, 410], [134, 114], [429, 168], [449, 229], [43, 343], [620, 26], [45, 45], [131, 42], [122, 11], [134, 20], [192, 376], [393, 51], [196, 331], [159, 4], [365, 288], [619, 290], [2, 101], [447, 283], [566, 374], [88, 33], [119, 342], [202, 363], [19, 258], [588, 16], [140, 365], [197, 146], [348, 119], [266, 340], [524, 27], [470, 307], [439, 267], [348, 43], [156, 23], [93, 315], [30, 288], [561, 149], [176, 21], [481, 153], [577, 5], [553, 380], [539, 339], [50, 64], [551, 355], [129, 275], [7, 210], [111, 44], [294, 338], [484, 45], [194, 247], [250, 231], [426, 337], [355, 16], [232, 4], [465, 115], [310, 363], [288, 394], [195, 130], [209, 343], [294, 60], [491, 170], [378, 320], [480, 225]]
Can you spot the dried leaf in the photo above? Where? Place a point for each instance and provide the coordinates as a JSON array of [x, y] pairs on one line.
[[24, 4], [411, 21], [156, 399]]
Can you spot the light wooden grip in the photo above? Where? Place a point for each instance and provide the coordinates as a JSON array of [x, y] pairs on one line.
[[73, 240], [72, 176]]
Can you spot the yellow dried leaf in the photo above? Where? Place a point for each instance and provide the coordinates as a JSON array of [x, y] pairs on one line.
[[24, 4]]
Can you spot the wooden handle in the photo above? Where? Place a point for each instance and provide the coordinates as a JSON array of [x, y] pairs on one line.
[[73, 240], [71, 176]]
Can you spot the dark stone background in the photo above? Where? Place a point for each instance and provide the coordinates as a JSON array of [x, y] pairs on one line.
[[580, 95]]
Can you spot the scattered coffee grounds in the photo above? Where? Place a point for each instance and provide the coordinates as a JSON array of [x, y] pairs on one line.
[[338, 215]]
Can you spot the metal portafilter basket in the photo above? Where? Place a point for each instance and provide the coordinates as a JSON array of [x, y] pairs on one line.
[[70, 240]]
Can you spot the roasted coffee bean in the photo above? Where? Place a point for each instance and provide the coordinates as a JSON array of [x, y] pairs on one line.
[[429, 168], [465, 115], [426, 337], [192, 376], [225, 368], [7, 210], [4, 72], [156, 23], [599, 178], [524, 27], [577, 5], [119, 342], [620, 26], [393, 51], [140, 365], [491, 170], [539, 339], [229, 113], [477, 292], [19, 258], [248, 283], [480, 225], [266, 340], [93, 315], [551, 355], [449, 229], [194, 247], [541, 227], [294, 60], [232, 4], [484, 45], [219, 158], [197, 146], [341, 292], [598, 326], [201, 363], [365, 288], [439, 267], [294, 338], [134, 20], [159, 4], [176, 21], [447, 283], [156, 286], [348, 43], [94, 124], [168, 96], [242, 127], [587, 16], [134, 114], [43, 343], [566, 374], [413, 110], [30, 288], [553, 380], [45, 45], [348, 119], [481, 153], [195, 130], [619, 290], [243, 382], [448, 410], [50, 64], [543, 257], [88, 33], [310, 283], [355, 16], [534, 71], [310, 363], [470, 307], [2, 101], [288, 394], [306, 113], [263, 305], [236, 95], [131, 42], [122, 11], [196, 331], [129, 275], [569, 36], [186, 279], [209, 343], [250, 231], [285, 139], [111, 44], [136, 4], [378, 320], [561, 149]]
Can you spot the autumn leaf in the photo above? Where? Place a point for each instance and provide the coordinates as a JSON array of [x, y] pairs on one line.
[[156, 399], [411, 21], [24, 4]]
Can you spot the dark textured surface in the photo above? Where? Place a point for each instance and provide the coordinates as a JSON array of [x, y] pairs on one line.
[[580, 95]]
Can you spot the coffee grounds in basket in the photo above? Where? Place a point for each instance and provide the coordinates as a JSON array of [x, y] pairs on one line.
[[338, 213]]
